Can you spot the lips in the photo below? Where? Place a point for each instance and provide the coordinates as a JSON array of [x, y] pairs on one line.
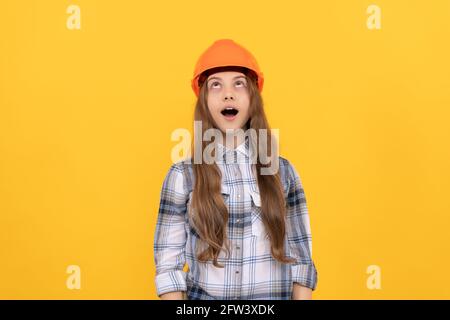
[[229, 111]]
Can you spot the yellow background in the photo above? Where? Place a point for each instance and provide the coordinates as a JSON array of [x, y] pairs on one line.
[[86, 117]]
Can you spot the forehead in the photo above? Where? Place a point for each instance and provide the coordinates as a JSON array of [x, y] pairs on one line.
[[226, 75]]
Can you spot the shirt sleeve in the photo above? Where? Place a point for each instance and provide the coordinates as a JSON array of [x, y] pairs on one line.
[[299, 233], [170, 234]]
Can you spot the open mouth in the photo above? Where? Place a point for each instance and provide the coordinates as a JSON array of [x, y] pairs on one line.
[[229, 112]]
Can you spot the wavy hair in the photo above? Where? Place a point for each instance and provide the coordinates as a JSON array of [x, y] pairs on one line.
[[211, 213]]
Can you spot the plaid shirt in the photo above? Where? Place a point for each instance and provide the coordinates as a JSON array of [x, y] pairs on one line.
[[250, 272]]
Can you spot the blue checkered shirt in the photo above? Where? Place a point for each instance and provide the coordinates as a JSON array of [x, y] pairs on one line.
[[250, 271]]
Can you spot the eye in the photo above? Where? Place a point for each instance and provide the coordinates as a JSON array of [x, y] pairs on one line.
[[214, 83], [240, 82]]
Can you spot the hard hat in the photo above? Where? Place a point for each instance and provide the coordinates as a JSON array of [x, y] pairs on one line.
[[223, 53]]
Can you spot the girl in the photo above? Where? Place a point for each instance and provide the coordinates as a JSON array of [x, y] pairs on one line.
[[243, 234]]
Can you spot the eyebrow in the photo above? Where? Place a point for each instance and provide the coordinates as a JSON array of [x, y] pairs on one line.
[[221, 78]]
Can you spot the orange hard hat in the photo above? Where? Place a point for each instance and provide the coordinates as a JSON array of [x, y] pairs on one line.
[[224, 53]]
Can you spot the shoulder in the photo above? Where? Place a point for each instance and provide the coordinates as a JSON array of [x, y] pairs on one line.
[[180, 166], [179, 176], [288, 173], [285, 168]]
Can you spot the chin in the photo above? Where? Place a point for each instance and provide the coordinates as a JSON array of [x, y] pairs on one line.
[[236, 127]]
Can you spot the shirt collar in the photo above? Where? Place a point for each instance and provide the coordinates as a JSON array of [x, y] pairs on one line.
[[242, 151]]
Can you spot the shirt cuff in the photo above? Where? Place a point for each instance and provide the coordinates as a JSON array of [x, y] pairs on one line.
[[170, 282], [305, 275]]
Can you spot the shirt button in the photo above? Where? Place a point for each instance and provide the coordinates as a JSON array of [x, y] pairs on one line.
[[237, 271], [238, 247], [238, 220], [238, 195]]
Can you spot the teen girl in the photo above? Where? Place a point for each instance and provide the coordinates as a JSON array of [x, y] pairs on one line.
[[242, 233]]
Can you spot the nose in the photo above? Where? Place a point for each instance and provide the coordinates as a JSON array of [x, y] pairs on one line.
[[229, 96]]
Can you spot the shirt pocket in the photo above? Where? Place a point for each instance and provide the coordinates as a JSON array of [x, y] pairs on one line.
[[258, 228]]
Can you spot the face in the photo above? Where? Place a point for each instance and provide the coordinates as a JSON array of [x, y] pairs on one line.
[[228, 99]]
